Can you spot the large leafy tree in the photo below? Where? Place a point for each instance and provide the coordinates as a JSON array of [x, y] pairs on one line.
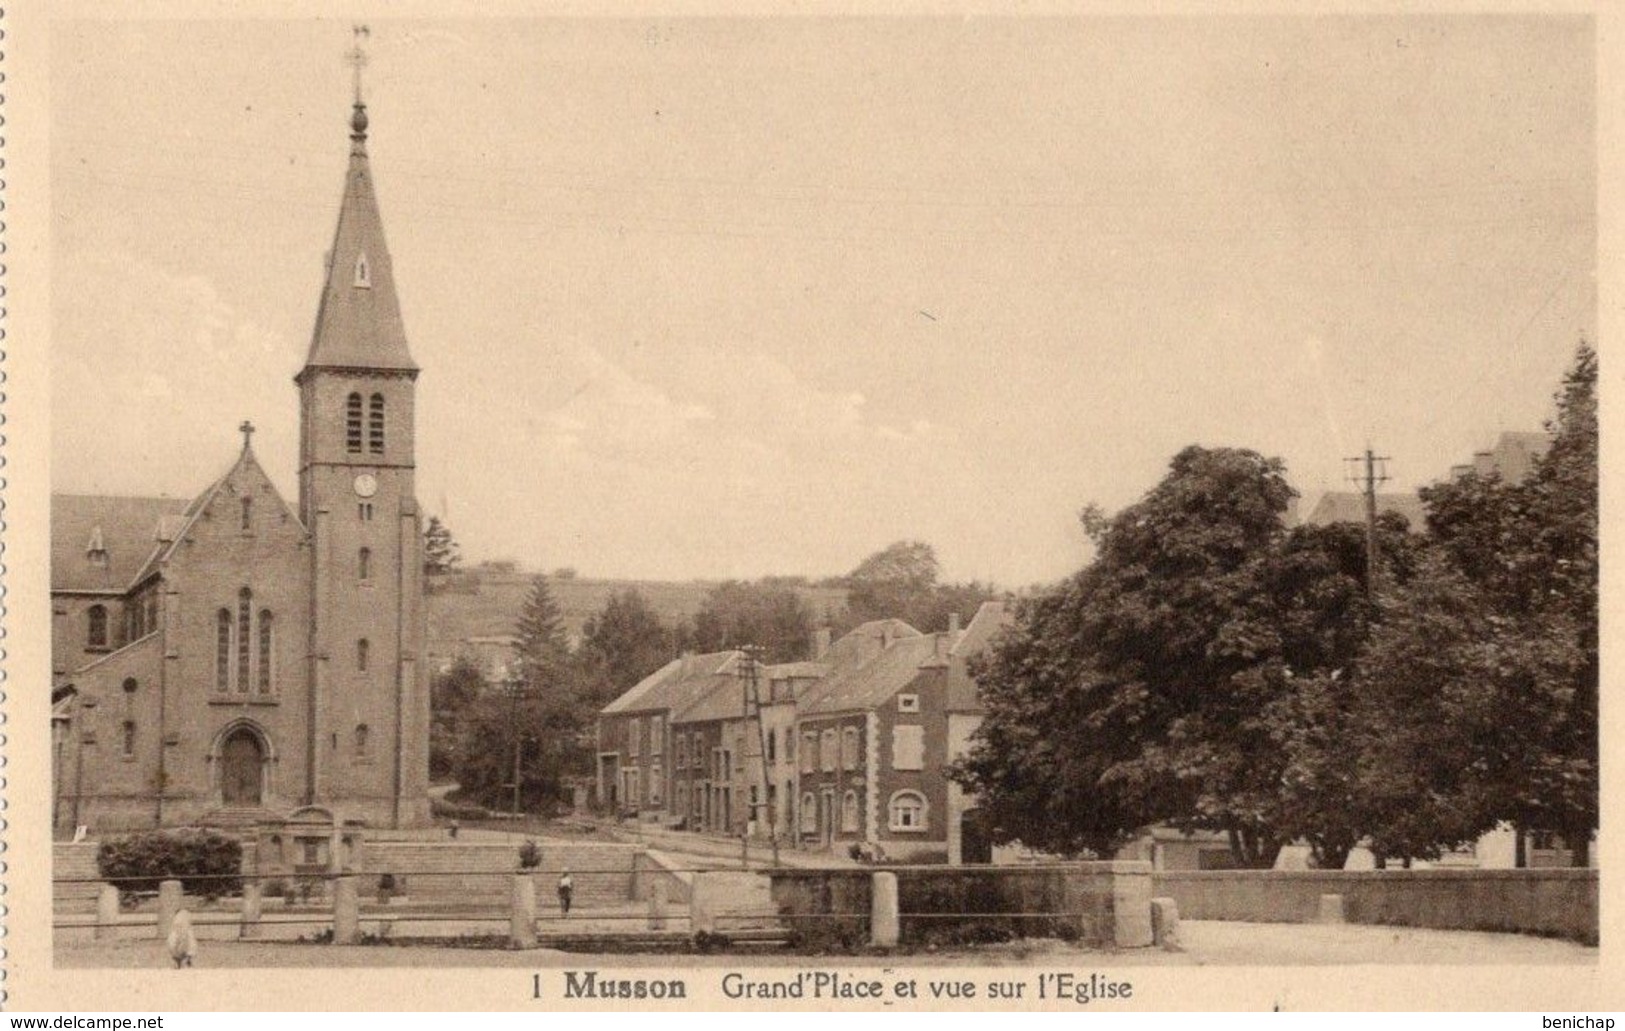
[[623, 643], [1194, 674], [539, 712], [453, 694], [1502, 635], [767, 613], [903, 581]]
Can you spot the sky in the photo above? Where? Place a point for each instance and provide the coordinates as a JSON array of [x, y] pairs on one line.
[[707, 298]]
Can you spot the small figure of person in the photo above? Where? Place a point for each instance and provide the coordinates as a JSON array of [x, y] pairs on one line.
[[566, 887], [453, 829], [182, 941]]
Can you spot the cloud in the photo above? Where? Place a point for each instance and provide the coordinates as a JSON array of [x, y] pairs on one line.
[[151, 375]]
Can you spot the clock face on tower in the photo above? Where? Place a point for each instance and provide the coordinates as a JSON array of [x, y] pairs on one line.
[[366, 485]]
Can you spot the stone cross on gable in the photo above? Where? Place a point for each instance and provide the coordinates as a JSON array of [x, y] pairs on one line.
[[247, 430]]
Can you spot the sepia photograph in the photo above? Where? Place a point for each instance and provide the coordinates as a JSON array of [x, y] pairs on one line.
[[750, 511]]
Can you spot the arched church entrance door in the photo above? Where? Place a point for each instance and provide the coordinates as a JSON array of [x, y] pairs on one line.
[[242, 761]]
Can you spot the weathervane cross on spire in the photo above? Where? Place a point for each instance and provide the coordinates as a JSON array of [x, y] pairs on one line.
[[357, 57], [247, 430]]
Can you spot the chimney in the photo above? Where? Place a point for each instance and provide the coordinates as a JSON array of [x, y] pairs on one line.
[[687, 664], [953, 625], [821, 642]]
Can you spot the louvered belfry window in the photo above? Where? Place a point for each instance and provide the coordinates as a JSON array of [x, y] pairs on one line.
[[352, 424], [375, 425]]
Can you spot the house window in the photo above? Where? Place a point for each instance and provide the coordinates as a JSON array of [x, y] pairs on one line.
[[657, 780], [364, 564], [129, 738], [908, 703], [809, 813], [265, 652], [849, 748], [361, 735], [375, 424], [96, 632], [772, 740], [245, 605], [363, 648], [829, 749], [908, 811], [809, 752], [222, 650], [849, 813], [682, 751], [352, 424], [657, 735], [908, 747], [634, 746], [248, 513], [789, 745]]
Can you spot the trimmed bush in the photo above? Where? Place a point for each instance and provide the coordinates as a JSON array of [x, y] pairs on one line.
[[206, 863]]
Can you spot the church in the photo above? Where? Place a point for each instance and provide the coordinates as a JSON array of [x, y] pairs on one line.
[[230, 658]]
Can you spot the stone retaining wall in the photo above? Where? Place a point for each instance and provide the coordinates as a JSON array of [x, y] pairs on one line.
[[476, 872], [74, 861], [1559, 902], [1098, 904]]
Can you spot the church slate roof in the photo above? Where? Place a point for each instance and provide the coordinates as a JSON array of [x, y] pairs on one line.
[[129, 535], [358, 323]]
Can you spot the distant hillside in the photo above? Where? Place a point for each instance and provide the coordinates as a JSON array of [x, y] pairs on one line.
[[485, 602]]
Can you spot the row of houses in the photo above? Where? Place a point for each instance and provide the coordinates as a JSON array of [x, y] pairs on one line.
[[848, 750]]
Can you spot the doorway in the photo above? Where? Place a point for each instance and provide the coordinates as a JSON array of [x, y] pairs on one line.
[[242, 769]]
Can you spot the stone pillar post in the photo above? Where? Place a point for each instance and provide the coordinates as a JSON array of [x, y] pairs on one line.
[[885, 927], [1331, 910], [657, 905], [522, 912], [253, 894], [169, 903], [107, 911], [346, 911]]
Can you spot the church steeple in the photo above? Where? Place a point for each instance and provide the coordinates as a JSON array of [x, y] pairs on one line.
[[358, 323]]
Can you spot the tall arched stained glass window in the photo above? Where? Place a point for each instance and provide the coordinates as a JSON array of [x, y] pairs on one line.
[[222, 651], [352, 424], [264, 685], [375, 424], [245, 612]]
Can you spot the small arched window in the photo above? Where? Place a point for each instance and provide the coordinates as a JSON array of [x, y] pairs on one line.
[[96, 630], [248, 513], [129, 738], [375, 424], [809, 813], [849, 748], [849, 813], [772, 743], [266, 651], [908, 811], [364, 564], [361, 733], [361, 656], [222, 650], [245, 616], [828, 749], [352, 424], [809, 752]]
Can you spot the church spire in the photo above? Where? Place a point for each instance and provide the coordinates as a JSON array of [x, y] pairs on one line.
[[358, 324]]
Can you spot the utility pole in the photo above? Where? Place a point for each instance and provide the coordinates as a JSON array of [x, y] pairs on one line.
[[1367, 472], [516, 693], [750, 668]]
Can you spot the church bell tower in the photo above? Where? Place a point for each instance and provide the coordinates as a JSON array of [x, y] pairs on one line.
[[368, 694]]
